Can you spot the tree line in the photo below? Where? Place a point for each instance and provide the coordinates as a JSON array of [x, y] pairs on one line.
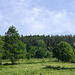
[[13, 46]]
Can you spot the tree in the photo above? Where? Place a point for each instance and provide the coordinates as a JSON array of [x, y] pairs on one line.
[[1, 49], [31, 52], [64, 52], [40, 43], [49, 54], [13, 47], [40, 53], [41, 48]]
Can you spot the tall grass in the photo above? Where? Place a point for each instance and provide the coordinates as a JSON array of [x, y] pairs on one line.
[[37, 67]]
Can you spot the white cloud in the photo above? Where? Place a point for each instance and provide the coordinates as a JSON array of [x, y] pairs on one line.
[[35, 19]]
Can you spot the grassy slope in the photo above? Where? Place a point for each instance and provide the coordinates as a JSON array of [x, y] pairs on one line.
[[38, 67]]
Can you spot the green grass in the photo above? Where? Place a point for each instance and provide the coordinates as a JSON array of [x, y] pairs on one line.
[[46, 66]]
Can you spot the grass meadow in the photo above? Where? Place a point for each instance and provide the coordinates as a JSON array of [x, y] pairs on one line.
[[46, 66]]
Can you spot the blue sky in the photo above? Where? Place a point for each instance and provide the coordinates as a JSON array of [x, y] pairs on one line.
[[32, 17]]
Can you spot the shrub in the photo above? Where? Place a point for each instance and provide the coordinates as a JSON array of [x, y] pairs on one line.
[[64, 52]]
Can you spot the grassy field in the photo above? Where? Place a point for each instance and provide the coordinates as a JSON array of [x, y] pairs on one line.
[[38, 67]]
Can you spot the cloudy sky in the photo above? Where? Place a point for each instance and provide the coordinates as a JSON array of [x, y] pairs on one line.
[[56, 17]]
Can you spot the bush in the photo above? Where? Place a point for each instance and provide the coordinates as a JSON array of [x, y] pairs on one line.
[[64, 52], [41, 53]]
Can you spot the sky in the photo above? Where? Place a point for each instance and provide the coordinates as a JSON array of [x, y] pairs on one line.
[[33, 17]]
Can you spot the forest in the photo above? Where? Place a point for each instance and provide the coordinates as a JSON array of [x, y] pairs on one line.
[[14, 46]]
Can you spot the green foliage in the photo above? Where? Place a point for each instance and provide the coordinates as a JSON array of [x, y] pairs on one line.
[[40, 43], [50, 48], [28, 47], [28, 56], [20, 48], [32, 51], [64, 52], [14, 48], [41, 53], [1, 49], [49, 54], [41, 48], [32, 44], [48, 42]]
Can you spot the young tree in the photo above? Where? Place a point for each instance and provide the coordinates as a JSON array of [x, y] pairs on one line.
[[64, 52], [13, 47], [41, 48], [41, 53]]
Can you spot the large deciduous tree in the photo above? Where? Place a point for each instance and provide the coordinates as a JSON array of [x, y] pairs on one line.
[[64, 52], [14, 48]]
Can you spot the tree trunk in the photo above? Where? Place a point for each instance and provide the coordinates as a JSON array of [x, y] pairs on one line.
[[12, 61]]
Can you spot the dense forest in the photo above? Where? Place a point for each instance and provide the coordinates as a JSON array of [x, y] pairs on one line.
[[13, 46], [47, 43]]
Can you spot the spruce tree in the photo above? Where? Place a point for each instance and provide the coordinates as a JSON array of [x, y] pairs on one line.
[[14, 48]]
